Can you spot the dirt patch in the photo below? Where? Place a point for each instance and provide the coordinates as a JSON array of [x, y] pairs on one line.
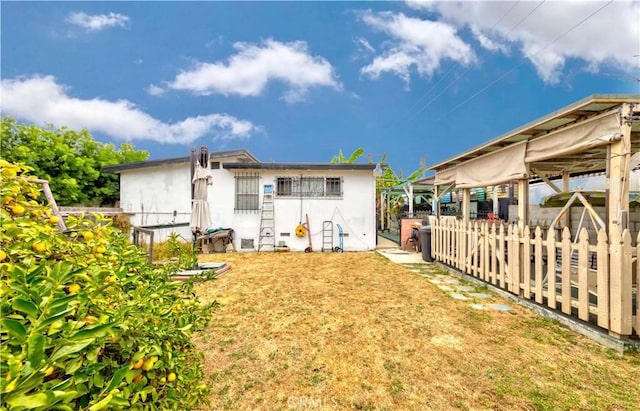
[[356, 331]]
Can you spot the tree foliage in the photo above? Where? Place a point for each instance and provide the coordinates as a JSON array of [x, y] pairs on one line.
[[71, 160], [86, 323], [341, 159]]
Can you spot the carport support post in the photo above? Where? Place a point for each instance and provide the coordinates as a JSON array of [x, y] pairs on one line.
[[620, 264], [466, 205], [382, 209], [523, 220], [565, 188], [523, 203], [618, 184], [435, 203], [411, 201]]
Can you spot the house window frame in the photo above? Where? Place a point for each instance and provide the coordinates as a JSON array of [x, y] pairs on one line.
[[305, 186], [247, 193]]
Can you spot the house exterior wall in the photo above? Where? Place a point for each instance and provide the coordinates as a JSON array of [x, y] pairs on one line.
[[152, 196], [156, 196], [354, 211]]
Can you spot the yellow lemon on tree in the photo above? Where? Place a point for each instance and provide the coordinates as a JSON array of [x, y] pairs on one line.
[[88, 235], [3, 255], [39, 246], [73, 289], [138, 364], [99, 249], [54, 219], [171, 377], [148, 365], [17, 209]]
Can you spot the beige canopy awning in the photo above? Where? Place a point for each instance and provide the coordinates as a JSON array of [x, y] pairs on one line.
[[572, 140]]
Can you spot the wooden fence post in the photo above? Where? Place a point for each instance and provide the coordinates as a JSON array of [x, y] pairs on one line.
[[583, 275], [538, 265], [502, 261], [603, 279], [551, 269], [526, 261], [566, 270], [620, 276], [493, 272]]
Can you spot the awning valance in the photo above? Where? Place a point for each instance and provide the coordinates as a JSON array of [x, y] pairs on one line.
[[512, 162], [494, 168], [594, 132]]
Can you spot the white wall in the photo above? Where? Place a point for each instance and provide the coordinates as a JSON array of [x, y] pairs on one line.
[[153, 194], [355, 211]]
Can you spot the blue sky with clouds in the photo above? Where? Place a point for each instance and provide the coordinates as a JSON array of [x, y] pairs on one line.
[[297, 81]]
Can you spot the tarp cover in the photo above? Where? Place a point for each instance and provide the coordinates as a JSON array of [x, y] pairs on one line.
[[574, 139], [447, 176], [510, 163], [493, 168]]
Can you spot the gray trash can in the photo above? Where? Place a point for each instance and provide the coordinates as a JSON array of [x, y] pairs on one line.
[[425, 239]]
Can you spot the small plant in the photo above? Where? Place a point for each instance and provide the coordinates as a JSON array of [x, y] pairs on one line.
[[86, 322], [177, 252]]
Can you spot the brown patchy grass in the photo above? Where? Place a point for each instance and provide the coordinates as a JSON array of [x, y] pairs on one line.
[[356, 331]]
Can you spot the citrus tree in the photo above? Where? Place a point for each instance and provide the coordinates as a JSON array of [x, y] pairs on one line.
[[86, 322]]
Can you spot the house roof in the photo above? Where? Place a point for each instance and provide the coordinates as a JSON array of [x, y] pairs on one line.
[[117, 168], [298, 166], [585, 109]]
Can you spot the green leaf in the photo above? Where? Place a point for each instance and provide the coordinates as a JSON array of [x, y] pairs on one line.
[[28, 401], [69, 349], [101, 404], [72, 366], [64, 396], [98, 380], [117, 378], [26, 307], [55, 317], [94, 332], [35, 349], [119, 402], [14, 328]]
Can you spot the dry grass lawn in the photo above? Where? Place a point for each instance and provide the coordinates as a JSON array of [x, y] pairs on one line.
[[356, 331]]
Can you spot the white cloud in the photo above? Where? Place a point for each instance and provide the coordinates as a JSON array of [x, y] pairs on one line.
[[418, 43], [248, 72], [40, 99], [364, 44], [609, 37], [154, 90], [489, 44], [98, 21]]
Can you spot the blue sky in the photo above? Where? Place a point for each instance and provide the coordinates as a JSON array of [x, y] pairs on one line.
[[297, 81]]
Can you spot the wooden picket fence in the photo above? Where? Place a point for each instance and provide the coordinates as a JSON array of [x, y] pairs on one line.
[[595, 283]]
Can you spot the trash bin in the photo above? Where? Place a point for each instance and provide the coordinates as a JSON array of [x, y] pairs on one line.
[[425, 239]]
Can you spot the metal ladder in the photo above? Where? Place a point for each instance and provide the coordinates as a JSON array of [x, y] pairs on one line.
[[267, 236], [327, 235]]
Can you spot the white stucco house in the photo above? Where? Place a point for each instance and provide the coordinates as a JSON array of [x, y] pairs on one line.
[[157, 195]]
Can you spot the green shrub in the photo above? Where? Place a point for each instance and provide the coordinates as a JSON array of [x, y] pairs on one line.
[[175, 250], [86, 322]]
